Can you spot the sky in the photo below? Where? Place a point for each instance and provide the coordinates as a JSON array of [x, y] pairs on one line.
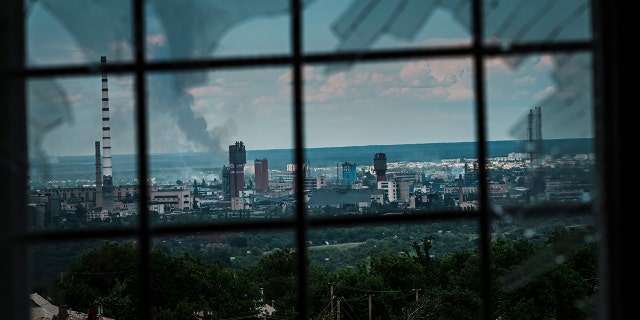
[[381, 103]]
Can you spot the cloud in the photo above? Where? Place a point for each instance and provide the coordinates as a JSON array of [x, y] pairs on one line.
[[259, 101], [459, 92], [308, 74], [336, 85], [394, 91], [545, 93], [333, 88], [525, 80], [497, 64], [414, 73], [379, 78], [448, 79], [75, 100], [546, 62], [156, 39], [204, 91], [437, 41]]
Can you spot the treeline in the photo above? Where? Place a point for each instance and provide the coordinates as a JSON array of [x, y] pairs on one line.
[[555, 279]]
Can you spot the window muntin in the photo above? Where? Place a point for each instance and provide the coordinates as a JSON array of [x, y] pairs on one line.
[[301, 225]]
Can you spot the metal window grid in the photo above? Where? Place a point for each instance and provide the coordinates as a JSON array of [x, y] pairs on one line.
[[17, 236]]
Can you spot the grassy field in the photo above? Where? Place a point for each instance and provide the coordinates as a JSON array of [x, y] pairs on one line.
[[336, 246]]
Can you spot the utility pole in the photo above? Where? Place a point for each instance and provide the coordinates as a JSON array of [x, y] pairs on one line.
[[370, 295], [416, 290], [331, 296]]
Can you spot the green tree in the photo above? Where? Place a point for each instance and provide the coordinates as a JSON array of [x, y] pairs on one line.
[[531, 279], [443, 304], [118, 303], [108, 274], [355, 285], [276, 274], [208, 287], [556, 280], [391, 278]]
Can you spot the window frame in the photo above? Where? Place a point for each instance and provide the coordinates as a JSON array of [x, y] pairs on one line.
[[606, 48]]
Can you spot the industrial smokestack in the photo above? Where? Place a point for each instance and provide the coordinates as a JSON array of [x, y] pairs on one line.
[[534, 135], [107, 189], [98, 176], [460, 190]]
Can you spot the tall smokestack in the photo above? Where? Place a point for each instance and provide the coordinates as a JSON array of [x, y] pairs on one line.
[[98, 176], [534, 135], [460, 191], [107, 189]]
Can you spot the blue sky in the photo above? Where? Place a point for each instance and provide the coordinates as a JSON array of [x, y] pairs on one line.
[[409, 101]]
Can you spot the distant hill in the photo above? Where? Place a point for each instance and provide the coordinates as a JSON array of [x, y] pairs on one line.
[[182, 165], [363, 155]]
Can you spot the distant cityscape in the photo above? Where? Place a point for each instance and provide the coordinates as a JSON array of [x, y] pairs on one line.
[[358, 180], [251, 189]]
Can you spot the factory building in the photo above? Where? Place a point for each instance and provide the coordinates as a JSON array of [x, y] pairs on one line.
[[380, 166], [172, 198], [390, 188], [237, 160], [261, 169]]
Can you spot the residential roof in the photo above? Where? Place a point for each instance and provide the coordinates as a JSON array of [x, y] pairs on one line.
[[335, 197], [42, 309]]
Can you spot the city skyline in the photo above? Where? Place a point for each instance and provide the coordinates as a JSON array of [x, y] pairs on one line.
[[382, 103]]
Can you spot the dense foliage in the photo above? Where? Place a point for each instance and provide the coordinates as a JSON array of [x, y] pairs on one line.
[[554, 279]]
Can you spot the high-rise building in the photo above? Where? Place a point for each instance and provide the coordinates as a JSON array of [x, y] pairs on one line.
[[380, 166], [226, 183], [349, 174], [261, 169], [237, 160], [470, 175], [54, 208]]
